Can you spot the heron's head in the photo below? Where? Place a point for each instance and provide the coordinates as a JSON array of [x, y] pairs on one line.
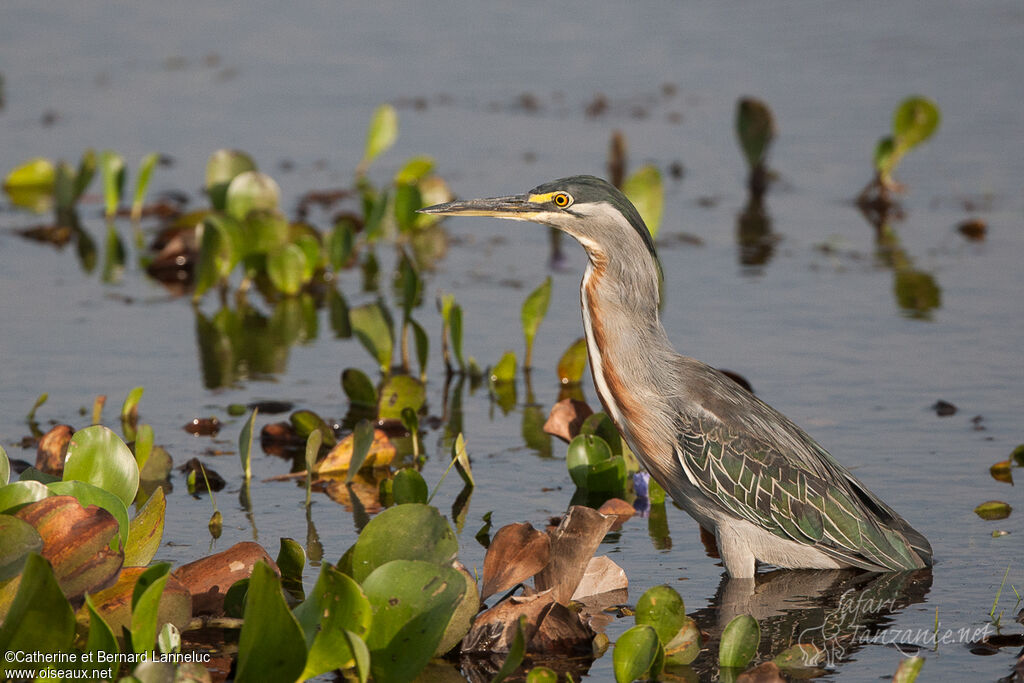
[[590, 209]]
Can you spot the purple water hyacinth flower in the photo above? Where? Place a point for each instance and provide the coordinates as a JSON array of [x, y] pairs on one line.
[[641, 485]]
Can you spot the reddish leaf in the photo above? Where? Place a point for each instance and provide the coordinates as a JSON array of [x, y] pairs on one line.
[[495, 629], [53, 446], [517, 552], [566, 418], [209, 578]]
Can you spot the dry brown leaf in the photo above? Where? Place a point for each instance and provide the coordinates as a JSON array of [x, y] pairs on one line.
[[115, 603], [517, 552], [566, 418], [365, 486], [561, 632], [573, 543], [210, 577], [620, 509], [763, 673], [602, 575], [494, 629], [53, 446], [382, 452]]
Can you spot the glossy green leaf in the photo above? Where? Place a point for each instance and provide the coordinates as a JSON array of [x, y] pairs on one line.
[[541, 674], [381, 134], [18, 539], [516, 652], [112, 171], [89, 494], [407, 202], [305, 422], [358, 387], [145, 603], [339, 245], [398, 393], [908, 670], [96, 455], [291, 560], [249, 191], [462, 619], [461, 458], [40, 618], [414, 170], [245, 444], [989, 510], [635, 654], [214, 262], [37, 173], [285, 267], [455, 332], [422, 342], [661, 608], [740, 639], [362, 440], [599, 424], [143, 446], [271, 646], [146, 167], [505, 369], [684, 647], [221, 169], [535, 307], [336, 605], [157, 467], [585, 451], [313, 443], [914, 121], [409, 487], [403, 532], [145, 531], [85, 173], [5, 466], [262, 232], [644, 189], [573, 362], [371, 326], [130, 407], [20, 493], [101, 637], [755, 127], [409, 285], [413, 602]]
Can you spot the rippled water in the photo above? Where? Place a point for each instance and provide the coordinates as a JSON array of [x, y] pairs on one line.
[[498, 96]]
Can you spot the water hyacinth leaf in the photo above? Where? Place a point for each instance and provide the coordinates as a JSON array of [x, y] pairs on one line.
[[599, 424], [249, 191], [380, 136], [461, 458], [31, 183], [908, 670], [263, 231], [17, 494], [40, 618], [101, 637], [145, 604], [914, 121], [305, 422], [993, 509], [409, 285], [43, 398], [414, 170], [755, 128], [413, 602], [517, 552], [64, 188], [245, 444], [407, 202], [310, 247], [801, 656], [130, 407], [372, 327], [168, 641], [113, 256], [335, 608], [455, 332], [146, 167], [516, 652], [739, 642], [535, 307], [214, 262], [87, 494], [541, 674], [644, 189], [1001, 471], [884, 158], [403, 532], [221, 168], [505, 369], [685, 646], [313, 442], [339, 244], [145, 531], [573, 362], [661, 608], [271, 646], [97, 456], [286, 268], [18, 539], [635, 654], [422, 342], [398, 393], [585, 451], [5, 466], [291, 560], [358, 387], [84, 175], [409, 487], [143, 446], [462, 618], [112, 171], [365, 447]]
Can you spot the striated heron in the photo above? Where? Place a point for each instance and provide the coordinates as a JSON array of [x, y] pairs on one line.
[[744, 471]]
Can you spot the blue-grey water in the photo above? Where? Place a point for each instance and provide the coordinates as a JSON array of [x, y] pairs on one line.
[[817, 329]]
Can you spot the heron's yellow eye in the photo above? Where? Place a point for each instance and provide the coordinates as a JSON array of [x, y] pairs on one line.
[[561, 200]]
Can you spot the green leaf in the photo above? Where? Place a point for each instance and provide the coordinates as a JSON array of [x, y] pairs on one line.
[[914, 121], [412, 601], [636, 652], [739, 642], [250, 191], [143, 446], [407, 202], [221, 169], [362, 440], [101, 637], [371, 326], [305, 422], [585, 451], [573, 362], [145, 531], [380, 136], [339, 244], [31, 184], [18, 539], [685, 645], [130, 407], [461, 458], [409, 487], [644, 189], [335, 608], [43, 397], [800, 656], [145, 603], [884, 159], [908, 670], [291, 560], [599, 424], [168, 641], [112, 171], [262, 232], [410, 285], [535, 307], [414, 170], [89, 494], [313, 252], [358, 387], [661, 608], [64, 188], [422, 347], [146, 167], [398, 393], [505, 369], [214, 263], [245, 444], [286, 268], [20, 493], [5, 465], [271, 646], [455, 329], [403, 532], [40, 618], [755, 127], [990, 510], [97, 456], [313, 442], [516, 652], [541, 674]]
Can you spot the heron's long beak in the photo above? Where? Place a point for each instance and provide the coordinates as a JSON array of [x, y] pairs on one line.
[[517, 208]]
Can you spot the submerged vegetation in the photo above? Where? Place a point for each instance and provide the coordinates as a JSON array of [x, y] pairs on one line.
[[79, 531]]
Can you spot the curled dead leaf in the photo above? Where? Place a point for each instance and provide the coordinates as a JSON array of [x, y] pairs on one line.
[[566, 418], [209, 578], [381, 453], [53, 447], [517, 552], [573, 543]]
